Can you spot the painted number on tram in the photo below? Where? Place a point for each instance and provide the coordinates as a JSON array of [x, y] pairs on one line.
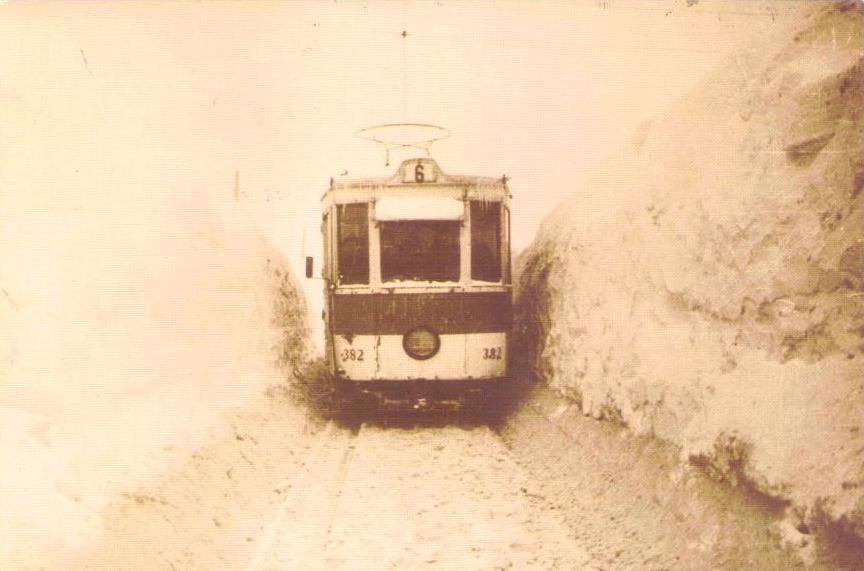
[[492, 353], [351, 355]]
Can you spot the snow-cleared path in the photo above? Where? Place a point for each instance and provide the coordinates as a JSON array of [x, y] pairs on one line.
[[418, 498], [284, 490]]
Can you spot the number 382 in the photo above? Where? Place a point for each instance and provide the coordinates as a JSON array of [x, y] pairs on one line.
[[492, 353], [351, 354]]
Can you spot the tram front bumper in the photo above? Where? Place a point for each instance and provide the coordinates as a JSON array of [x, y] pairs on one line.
[[421, 394]]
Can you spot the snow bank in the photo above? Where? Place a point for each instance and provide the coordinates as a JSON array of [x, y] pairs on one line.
[[129, 326], [707, 286]]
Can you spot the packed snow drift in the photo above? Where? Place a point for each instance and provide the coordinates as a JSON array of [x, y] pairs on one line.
[[128, 329], [707, 285]]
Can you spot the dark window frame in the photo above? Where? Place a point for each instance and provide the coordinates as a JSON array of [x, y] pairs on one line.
[[486, 241], [352, 244]]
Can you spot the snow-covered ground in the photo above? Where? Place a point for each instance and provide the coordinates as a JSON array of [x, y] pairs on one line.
[[711, 294], [548, 489]]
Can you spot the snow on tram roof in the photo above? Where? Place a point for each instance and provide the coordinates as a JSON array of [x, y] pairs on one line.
[[419, 208]]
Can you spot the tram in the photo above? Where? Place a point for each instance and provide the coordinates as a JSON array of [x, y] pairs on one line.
[[417, 279]]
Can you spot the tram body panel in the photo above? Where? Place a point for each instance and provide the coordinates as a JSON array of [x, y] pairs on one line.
[[388, 361], [471, 325], [487, 354], [356, 356], [383, 357]]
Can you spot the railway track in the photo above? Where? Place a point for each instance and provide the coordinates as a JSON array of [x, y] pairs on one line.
[[297, 535], [413, 498], [426, 491], [430, 492]]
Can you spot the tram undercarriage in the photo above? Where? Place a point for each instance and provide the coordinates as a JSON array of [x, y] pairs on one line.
[[470, 395]]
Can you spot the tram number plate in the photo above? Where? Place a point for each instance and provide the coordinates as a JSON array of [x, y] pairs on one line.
[[419, 172], [492, 353], [351, 355]]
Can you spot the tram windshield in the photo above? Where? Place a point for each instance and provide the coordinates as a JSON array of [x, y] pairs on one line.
[[420, 250]]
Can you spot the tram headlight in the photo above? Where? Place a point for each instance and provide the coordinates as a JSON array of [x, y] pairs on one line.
[[421, 343]]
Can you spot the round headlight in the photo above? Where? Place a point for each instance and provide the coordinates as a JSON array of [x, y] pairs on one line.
[[421, 343]]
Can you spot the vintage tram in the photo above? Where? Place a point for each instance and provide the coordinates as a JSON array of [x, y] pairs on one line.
[[416, 268]]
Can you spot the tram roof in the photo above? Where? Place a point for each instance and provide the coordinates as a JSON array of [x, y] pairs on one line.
[[434, 177]]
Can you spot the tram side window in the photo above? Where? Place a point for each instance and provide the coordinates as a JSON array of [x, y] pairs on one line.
[[353, 244], [485, 241], [508, 270]]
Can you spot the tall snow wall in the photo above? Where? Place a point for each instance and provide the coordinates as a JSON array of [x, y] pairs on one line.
[[707, 285], [129, 328]]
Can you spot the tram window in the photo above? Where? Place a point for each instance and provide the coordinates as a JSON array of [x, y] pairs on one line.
[[420, 250], [508, 270], [486, 241], [353, 252]]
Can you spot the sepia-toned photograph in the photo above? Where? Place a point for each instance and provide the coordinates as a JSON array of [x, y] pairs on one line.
[[432, 285]]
